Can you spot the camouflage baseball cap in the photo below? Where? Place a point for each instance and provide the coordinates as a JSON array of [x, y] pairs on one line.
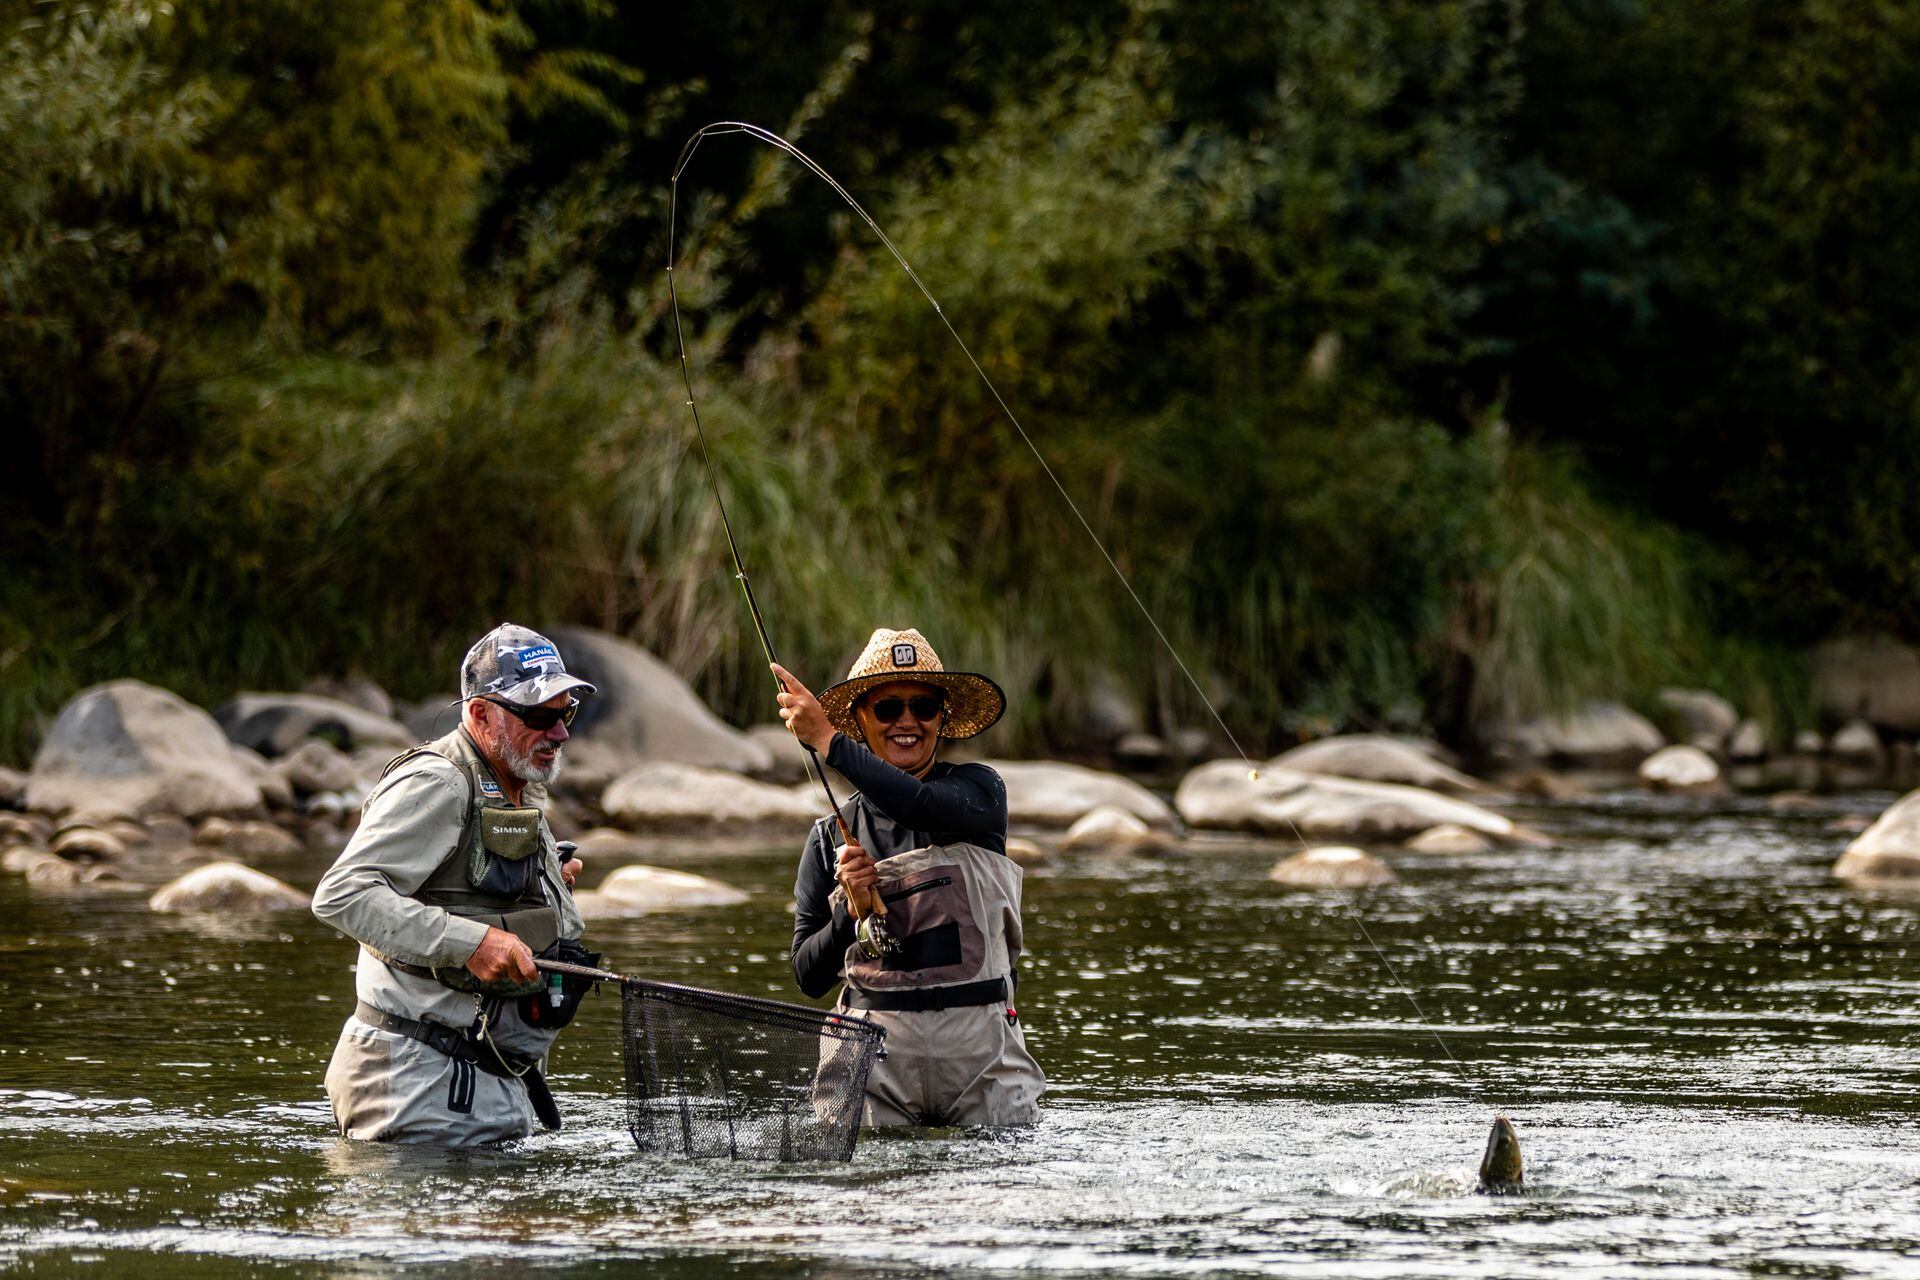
[[517, 664]]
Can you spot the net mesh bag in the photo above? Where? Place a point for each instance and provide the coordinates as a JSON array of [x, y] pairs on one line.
[[720, 1076]]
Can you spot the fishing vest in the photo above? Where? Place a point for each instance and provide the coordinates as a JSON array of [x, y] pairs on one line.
[[492, 874], [955, 910]]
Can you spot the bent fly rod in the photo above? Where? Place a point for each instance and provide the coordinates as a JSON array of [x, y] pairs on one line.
[[721, 128]]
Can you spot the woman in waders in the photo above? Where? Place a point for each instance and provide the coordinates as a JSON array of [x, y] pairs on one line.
[[909, 896]]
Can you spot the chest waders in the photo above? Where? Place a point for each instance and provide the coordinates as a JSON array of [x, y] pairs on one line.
[[493, 874], [955, 1051]]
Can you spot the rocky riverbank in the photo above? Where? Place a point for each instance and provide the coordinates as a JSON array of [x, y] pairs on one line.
[[133, 786]]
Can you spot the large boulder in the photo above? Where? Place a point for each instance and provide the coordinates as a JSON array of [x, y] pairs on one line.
[[1889, 849], [637, 890], [1331, 867], [789, 761], [127, 750], [1045, 794], [1876, 679], [1598, 733], [1115, 831], [1221, 795], [645, 713], [1681, 769], [653, 797], [274, 724], [1697, 715], [228, 886], [1372, 757]]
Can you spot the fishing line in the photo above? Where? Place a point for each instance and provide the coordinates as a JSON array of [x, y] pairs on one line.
[[721, 128]]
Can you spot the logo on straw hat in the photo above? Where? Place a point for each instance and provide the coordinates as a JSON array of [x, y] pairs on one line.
[[905, 655]]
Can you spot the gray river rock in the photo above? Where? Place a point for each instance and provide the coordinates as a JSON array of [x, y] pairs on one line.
[[684, 797], [128, 750], [1369, 757], [1887, 850], [275, 724], [1045, 793], [1222, 796]]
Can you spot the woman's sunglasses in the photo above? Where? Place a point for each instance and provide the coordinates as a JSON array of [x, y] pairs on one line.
[[541, 719], [925, 706]]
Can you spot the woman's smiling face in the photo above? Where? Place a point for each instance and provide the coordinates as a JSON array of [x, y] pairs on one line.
[[906, 742]]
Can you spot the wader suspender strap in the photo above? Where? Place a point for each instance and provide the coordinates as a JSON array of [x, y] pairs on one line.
[[444, 1039]]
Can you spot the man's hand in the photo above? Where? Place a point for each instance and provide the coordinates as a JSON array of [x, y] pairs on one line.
[[857, 875], [501, 956], [802, 711], [570, 870]]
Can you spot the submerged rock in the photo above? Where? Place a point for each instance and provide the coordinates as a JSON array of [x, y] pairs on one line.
[[25, 828], [49, 872], [1681, 769], [680, 796], [228, 886], [1047, 794], [1370, 757], [1450, 837], [1220, 795], [1887, 850], [1115, 831], [1331, 867], [127, 750], [637, 890]]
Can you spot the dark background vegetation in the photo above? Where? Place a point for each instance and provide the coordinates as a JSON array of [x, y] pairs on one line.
[[1422, 362]]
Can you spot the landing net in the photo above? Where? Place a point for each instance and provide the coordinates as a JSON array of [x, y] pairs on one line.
[[711, 1075]]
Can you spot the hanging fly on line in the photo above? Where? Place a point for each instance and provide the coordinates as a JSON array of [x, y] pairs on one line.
[[875, 938]]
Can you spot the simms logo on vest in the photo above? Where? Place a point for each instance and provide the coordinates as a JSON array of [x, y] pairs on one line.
[[905, 655], [513, 831]]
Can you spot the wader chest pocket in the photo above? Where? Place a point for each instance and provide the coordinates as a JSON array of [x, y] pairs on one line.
[[939, 882], [928, 949], [503, 860]]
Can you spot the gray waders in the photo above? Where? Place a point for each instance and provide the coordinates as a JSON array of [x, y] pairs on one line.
[[955, 1051]]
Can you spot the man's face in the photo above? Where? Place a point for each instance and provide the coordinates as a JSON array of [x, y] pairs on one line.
[[529, 754], [906, 742]]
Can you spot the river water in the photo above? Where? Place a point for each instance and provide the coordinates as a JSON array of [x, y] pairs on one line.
[[1711, 1052]]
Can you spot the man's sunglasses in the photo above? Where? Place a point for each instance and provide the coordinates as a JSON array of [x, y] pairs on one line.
[[540, 719], [925, 706]]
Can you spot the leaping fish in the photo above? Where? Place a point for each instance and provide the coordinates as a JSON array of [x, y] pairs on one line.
[[1500, 1169]]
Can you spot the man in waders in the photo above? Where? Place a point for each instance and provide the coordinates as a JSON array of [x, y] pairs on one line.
[[451, 885], [917, 906]]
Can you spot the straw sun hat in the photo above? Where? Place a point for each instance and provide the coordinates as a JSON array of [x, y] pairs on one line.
[[973, 701]]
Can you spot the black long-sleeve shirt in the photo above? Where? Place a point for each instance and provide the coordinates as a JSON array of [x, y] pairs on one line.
[[894, 812]]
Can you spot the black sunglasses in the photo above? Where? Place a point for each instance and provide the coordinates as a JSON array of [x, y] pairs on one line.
[[925, 706], [540, 719]]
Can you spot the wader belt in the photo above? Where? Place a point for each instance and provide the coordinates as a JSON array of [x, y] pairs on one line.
[[445, 1039], [919, 1000]]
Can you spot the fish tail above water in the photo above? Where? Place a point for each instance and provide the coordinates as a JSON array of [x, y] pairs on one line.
[[1500, 1169]]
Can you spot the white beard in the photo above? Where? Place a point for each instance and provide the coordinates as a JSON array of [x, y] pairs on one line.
[[520, 764]]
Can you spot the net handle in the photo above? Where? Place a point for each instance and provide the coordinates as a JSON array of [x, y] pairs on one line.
[[580, 971]]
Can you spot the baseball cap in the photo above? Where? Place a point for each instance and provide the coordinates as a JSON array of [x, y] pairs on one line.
[[517, 664]]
